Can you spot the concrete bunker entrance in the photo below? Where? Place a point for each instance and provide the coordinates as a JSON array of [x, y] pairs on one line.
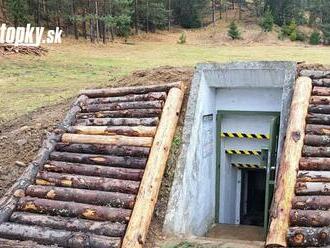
[[232, 138]]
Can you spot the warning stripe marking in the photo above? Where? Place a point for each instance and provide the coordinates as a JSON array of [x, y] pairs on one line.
[[243, 152], [247, 166], [244, 135]]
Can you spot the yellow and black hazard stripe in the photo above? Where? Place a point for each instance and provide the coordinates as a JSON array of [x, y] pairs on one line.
[[243, 152], [247, 166], [244, 135]]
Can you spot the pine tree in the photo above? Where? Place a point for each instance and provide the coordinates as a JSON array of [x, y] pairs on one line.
[[233, 31], [267, 21], [18, 11]]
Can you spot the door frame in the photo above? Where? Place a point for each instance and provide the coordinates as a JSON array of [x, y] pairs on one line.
[[219, 117]]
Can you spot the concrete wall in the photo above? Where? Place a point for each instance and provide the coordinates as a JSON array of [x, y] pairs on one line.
[[191, 208]]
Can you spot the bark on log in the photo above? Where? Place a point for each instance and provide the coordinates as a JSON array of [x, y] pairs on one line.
[[106, 228], [131, 113], [94, 170], [115, 161], [313, 176], [308, 236], [139, 131], [153, 121], [312, 188], [132, 151], [322, 100], [113, 199], [123, 105], [318, 129], [73, 209], [317, 140], [87, 182], [325, 82], [131, 90], [318, 119], [315, 74], [7, 243], [48, 236], [321, 91], [319, 202], [311, 218], [289, 164], [315, 151], [119, 140], [321, 109], [9, 200], [147, 197], [151, 96], [314, 164]]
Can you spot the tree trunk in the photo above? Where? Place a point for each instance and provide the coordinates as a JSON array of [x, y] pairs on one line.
[[50, 236], [75, 29], [311, 202], [128, 162], [84, 26], [87, 182], [136, 18], [132, 113], [122, 122], [312, 188], [313, 176], [147, 197], [312, 218], [97, 21], [105, 228], [308, 236], [289, 164], [118, 140], [314, 164], [123, 105], [318, 129], [102, 198], [132, 151], [318, 119], [139, 131], [94, 170], [317, 140]]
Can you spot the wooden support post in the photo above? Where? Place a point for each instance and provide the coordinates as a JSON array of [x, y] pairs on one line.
[[147, 197], [289, 164]]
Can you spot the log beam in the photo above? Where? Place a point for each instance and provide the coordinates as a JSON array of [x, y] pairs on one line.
[[318, 119], [321, 91], [131, 113], [291, 154], [106, 228], [325, 82], [317, 140], [316, 151], [322, 100], [318, 129], [313, 202], [122, 106], [313, 188], [119, 140], [141, 217], [308, 236], [152, 121], [310, 218], [313, 176], [140, 131], [314, 164]]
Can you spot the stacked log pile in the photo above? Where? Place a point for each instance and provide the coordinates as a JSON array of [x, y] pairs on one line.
[[83, 190], [310, 213], [6, 49]]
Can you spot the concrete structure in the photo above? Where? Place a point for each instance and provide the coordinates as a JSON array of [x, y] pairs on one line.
[[249, 86]]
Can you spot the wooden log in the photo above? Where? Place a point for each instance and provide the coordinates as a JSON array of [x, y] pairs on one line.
[[315, 74], [113, 199], [318, 129], [139, 131], [151, 96], [114, 161], [312, 218], [313, 176], [325, 82], [314, 164], [318, 119], [308, 236], [73, 209], [147, 197], [7, 243], [322, 100], [132, 151], [119, 140], [123, 105], [316, 151], [94, 170], [321, 91], [321, 109], [153, 121], [48, 236], [317, 140], [104, 228], [313, 188], [131, 90], [318, 202], [289, 163], [87, 182], [131, 113], [9, 200]]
